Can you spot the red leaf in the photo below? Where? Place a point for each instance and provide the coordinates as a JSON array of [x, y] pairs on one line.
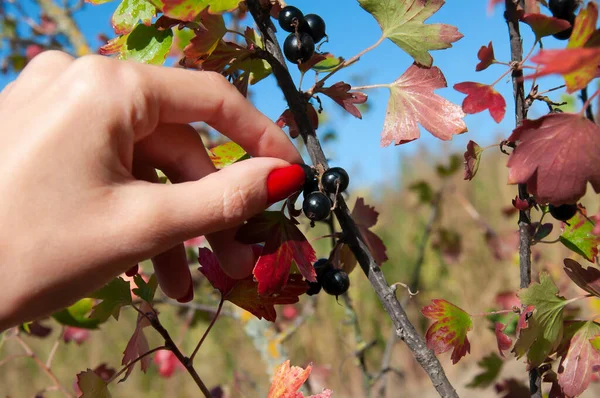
[[524, 317], [315, 59], [78, 335], [207, 36], [472, 158], [486, 57], [449, 329], [340, 93], [167, 363], [365, 217], [588, 279], [543, 25], [412, 102], [557, 155], [137, 345], [576, 367], [288, 380], [481, 97], [244, 292], [504, 342], [578, 63], [287, 119], [283, 242]]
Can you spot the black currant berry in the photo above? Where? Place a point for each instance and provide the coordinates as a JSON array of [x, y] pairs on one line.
[[565, 34], [335, 282], [335, 180], [299, 48], [313, 288], [314, 26], [563, 212], [321, 266], [289, 17], [316, 206], [562, 8]]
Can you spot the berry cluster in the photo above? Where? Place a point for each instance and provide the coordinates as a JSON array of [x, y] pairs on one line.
[[306, 30], [563, 9], [317, 205], [334, 281]]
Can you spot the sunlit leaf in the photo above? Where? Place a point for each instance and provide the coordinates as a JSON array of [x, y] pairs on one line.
[[449, 331]]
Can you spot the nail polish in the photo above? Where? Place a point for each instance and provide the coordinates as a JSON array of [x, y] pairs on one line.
[[281, 183], [189, 296]]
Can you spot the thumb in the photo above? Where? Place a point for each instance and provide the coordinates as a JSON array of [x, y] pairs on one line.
[[219, 201]]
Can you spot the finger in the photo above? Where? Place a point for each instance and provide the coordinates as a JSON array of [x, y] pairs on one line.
[[171, 266], [149, 95], [6, 91], [219, 201], [178, 150], [39, 73]]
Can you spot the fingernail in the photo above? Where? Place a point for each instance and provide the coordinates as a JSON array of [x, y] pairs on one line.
[[189, 295], [283, 182]]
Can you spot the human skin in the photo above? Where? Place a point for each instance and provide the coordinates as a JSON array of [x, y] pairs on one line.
[[79, 203]]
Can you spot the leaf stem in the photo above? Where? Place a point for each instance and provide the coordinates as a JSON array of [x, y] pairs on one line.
[[587, 103], [372, 86], [207, 329], [482, 314]]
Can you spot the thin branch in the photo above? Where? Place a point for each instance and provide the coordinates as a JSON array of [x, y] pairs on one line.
[[66, 25], [516, 50], [54, 348], [42, 366], [11, 357], [352, 236], [360, 354], [212, 322], [385, 364], [185, 361], [588, 108]]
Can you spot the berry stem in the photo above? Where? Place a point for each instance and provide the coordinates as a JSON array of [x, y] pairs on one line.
[[212, 322]]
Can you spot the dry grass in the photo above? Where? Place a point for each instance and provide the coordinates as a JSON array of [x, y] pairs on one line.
[[326, 339]]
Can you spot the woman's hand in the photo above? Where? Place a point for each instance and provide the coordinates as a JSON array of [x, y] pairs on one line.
[[79, 202]]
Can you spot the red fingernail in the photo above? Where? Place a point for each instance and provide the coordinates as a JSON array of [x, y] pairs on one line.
[[281, 183], [189, 296]]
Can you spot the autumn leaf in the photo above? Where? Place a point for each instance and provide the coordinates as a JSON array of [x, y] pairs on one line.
[[114, 295], [544, 25], [129, 13], [491, 366], [556, 156], [412, 102], [341, 94], [144, 44], [187, 10], [545, 327], [481, 97], [504, 342], [288, 380], [283, 243], [403, 22], [578, 236], [586, 278], [287, 119], [578, 364], [206, 36], [328, 64], [137, 346], [449, 331], [486, 57], [91, 385], [577, 63], [227, 154], [244, 292], [472, 158]]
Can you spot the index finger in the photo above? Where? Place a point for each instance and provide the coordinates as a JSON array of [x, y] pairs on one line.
[[183, 96]]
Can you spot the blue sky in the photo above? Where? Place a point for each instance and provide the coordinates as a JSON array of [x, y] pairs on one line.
[[350, 30]]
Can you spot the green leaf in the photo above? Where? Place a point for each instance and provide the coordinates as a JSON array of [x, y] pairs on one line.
[[144, 290], [129, 13], [446, 171], [227, 154], [115, 295], [545, 327], [76, 315], [328, 64], [424, 190], [579, 238], [92, 385], [491, 366], [402, 21], [187, 10], [148, 45]]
